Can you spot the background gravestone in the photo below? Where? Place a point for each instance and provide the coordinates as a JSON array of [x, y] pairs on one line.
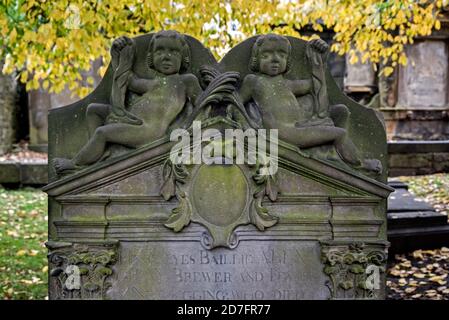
[[217, 231]]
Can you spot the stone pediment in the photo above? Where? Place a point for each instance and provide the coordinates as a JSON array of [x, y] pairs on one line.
[[144, 166]]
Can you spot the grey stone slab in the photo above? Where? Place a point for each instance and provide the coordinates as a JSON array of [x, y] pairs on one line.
[[269, 270], [418, 146], [402, 200], [423, 83], [406, 240], [404, 219], [397, 184], [9, 173], [34, 173]]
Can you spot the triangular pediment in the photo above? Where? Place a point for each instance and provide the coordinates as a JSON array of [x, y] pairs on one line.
[[139, 173]]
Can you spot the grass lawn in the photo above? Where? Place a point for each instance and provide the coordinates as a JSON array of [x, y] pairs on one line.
[[23, 232]]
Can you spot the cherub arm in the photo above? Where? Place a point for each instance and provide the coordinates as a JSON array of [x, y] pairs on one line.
[[138, 85], [193, 88], [301, 87], [246, 89]]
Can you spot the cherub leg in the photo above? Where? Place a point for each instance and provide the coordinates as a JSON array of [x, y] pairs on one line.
[[339, 114], [307, 137], [96, 115], [125, 134], [120, 133]]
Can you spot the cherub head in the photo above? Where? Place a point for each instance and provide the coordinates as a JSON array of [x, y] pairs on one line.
[[271, 55], [168, 52]]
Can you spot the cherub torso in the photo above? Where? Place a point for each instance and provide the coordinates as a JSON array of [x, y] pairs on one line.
[[161, 103], [277, 102]]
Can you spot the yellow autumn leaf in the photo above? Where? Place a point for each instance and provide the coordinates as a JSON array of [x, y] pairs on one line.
[[13, 35], [387, 71], [21, 253], [410, 290]]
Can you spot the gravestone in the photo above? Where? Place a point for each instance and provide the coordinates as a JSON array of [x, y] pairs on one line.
[[428, 65], [299, 217]]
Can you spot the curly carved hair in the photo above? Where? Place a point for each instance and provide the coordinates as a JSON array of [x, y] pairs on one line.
[[255, 61], [171, 34]]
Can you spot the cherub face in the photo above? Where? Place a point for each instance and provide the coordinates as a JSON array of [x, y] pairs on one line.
[[273, 55], [167, 55]]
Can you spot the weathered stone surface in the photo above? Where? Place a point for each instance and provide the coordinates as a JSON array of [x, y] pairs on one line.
[[418, 157], [441, 161], [350, 116], [255, 270], [34, 173], [359, 77], [224, 230], [10, 173], [428, 64], [411, 160], [23, 173]]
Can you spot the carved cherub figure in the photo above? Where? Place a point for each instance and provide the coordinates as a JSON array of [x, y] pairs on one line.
[[276, 96], [147, 118]]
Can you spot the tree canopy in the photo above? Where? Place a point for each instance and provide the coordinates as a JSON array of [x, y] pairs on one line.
[[48, 42]]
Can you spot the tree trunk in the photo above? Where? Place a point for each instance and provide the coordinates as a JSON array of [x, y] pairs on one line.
[[8, 98]]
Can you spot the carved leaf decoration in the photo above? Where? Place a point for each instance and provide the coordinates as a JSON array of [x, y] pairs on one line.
[[83, 271], [346, 285], [357, 269], [181, 215], [219, 87], [236, 101], [168, 189], [271, 189], [259, 215], [222, 83], [56, 272], [90, 286], [260, 178], [362, 285], [208, 74], [172, 173], [180, 172], [330, 270], [348, 259], [104, 271]]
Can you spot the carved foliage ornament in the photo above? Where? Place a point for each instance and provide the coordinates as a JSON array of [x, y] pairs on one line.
[[81, 271], [194, 192], [354, 270]]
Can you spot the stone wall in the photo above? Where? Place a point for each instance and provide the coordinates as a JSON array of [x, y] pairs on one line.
[[418, 164], [413, 158]]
